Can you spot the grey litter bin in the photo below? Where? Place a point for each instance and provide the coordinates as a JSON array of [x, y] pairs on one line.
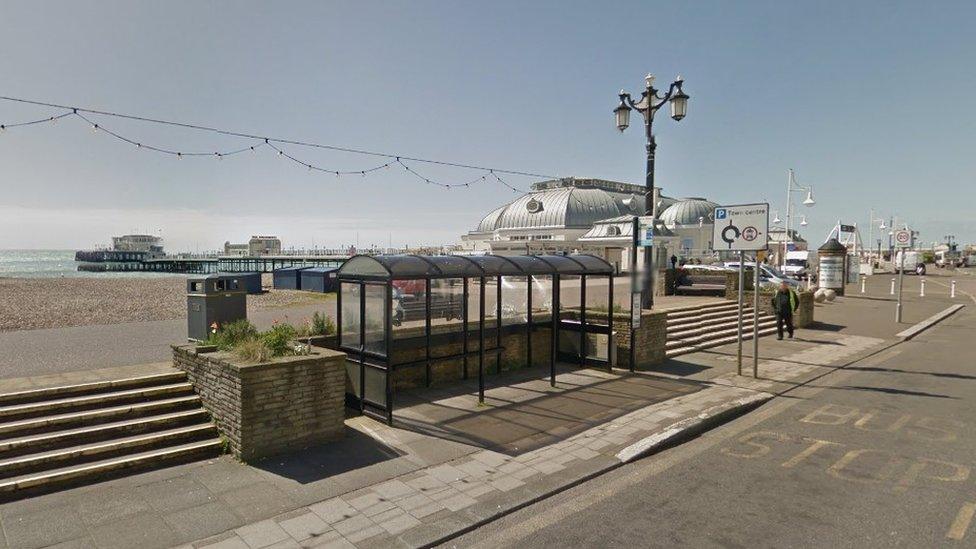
[[214, 298]]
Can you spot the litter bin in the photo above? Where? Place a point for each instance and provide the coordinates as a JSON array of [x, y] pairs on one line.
[[214, 298]]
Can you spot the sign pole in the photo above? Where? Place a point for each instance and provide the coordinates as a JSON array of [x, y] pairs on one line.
[[755, 321], [901, 283], [635, 301], [742, 283]]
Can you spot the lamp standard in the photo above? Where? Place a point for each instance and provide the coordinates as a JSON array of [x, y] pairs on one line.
[[648, 105], [871, 222], [793, 187]]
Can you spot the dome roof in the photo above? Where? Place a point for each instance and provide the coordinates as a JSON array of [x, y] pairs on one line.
[[574, 207], [687, 211]]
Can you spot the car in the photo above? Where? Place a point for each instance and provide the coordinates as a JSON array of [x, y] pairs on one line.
[[769, 276]]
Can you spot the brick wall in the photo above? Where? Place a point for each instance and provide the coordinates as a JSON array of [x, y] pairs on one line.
[[266, 409], [803, 316]]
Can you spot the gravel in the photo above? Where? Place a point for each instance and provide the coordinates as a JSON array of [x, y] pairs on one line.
[[33, 303]]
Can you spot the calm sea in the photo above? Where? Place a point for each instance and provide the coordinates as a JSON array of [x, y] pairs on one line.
[[49, 263]]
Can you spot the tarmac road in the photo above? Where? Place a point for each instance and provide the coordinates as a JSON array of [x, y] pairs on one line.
[[880, 454]]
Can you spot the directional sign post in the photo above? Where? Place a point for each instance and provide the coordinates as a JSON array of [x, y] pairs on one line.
[[743, 228], [903, 241]]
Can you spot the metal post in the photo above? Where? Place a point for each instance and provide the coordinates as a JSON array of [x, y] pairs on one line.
[[388, 337], [528, 321], [864, 280], [901, 284], [481, 342], [582, 321], [952, 289], [464, 327], [362, 348], [921, 292], [892, 286], [610, 349], [742, 283], [498, 326], [427, 332], [633, 288], [555, 330], [755, 321], [647, 297]]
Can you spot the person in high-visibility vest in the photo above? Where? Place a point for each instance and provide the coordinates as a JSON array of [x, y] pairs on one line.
[[785, 302]]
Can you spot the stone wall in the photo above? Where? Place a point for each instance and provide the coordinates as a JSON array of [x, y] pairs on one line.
[[803, 316], [270, 408]]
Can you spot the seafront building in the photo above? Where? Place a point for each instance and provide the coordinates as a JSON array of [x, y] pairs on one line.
[[256, 246], [582, 215]]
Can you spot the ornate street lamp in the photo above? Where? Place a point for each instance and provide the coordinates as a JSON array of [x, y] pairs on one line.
[[648, 105]]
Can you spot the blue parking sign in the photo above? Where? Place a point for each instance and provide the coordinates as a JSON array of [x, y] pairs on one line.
[[720, 213]]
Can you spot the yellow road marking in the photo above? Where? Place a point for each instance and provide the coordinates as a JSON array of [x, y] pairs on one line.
[[961, 524]]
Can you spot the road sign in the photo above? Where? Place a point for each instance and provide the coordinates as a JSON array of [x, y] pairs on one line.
[[645, 224], [744, 227], [903, 239], [847, 228], [635, 310]]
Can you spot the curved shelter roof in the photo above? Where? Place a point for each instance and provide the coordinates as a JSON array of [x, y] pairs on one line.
[[398, 267]]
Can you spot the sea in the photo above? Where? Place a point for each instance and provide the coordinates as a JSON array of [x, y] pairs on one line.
[[52, 264]]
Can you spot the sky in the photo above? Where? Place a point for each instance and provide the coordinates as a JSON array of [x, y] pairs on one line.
[[869, 102]]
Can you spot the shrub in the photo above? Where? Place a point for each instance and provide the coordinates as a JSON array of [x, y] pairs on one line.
[[322, 324], [277, 339], [232, 334], [253, 350]]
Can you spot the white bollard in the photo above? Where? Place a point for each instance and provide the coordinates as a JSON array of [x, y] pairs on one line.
[[921, 293], [892, 286], [952, 289], [863, 280]]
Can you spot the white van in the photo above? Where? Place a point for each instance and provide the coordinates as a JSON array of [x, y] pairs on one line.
[[913, 262], [800, 264]]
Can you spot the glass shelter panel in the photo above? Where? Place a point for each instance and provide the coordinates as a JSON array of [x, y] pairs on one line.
[[375, 324], [514, 300], [351, 322]]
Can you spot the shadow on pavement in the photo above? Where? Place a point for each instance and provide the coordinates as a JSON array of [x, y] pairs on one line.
[[354, 451], [898, 371]]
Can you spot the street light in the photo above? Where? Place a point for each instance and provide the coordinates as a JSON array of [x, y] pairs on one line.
[[871, 221], [648, 105], [793, 187], [803, 221]]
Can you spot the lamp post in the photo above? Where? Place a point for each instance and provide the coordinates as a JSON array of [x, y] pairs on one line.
[[648, 106], [871, 221], [793, 187]]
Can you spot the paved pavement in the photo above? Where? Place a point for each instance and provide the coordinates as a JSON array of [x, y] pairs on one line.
[[875, 454]]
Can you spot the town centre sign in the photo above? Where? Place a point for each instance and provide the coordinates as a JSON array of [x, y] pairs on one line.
[[743, 227]]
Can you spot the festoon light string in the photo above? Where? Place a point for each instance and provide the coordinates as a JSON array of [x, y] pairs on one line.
[[274, 143]]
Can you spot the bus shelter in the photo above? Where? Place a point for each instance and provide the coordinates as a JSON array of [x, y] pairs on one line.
[[400, 316]]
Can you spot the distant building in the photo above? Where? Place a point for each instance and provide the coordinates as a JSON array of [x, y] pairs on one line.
[[257, 245], [138, 243], [264, 245], [236, 249]]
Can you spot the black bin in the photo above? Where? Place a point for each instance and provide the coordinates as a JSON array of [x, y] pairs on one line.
[[213, 298]]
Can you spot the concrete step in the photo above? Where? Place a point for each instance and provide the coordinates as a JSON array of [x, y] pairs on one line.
[[97, 416], [84, 453], [709, 335], [716, 325], [51, 393], [84, 402], [678, 351], [685, 312], [731, 313], [67, 476], [70, 437]]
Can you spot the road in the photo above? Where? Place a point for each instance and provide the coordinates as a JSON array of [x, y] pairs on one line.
[[879, 454]]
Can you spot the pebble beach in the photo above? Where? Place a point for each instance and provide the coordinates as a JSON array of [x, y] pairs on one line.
[[35, 303]]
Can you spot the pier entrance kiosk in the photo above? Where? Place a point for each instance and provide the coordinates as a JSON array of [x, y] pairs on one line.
[[411, 320]]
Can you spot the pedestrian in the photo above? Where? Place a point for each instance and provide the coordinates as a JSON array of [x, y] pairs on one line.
[[785, 302], [674, 262]]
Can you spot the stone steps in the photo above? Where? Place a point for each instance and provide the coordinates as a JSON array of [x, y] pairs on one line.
[[55, 437], [696, 328]]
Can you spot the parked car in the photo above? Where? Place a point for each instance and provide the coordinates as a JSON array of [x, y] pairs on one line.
[[913, 262], [769, 276]]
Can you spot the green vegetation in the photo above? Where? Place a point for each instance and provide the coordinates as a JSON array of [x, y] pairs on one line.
[[248, 344]]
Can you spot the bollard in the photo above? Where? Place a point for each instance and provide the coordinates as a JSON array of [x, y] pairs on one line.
[[921, 292], [892, 286], [863, 280], [952, 289]]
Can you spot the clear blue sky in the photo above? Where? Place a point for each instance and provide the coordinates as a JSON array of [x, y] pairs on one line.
[[871, 102]]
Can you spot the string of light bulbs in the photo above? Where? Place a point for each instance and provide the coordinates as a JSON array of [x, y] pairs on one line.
[[274, 143]]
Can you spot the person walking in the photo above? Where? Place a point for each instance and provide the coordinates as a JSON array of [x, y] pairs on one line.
[[785, 302]]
